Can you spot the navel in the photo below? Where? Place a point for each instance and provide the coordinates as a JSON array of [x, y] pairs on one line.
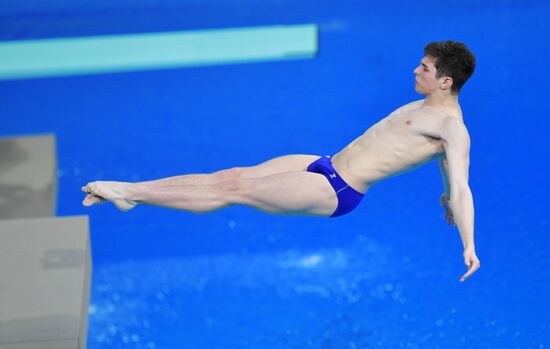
[[408, 122]]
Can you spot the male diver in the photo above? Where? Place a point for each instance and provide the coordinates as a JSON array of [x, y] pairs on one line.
[[331, 186]]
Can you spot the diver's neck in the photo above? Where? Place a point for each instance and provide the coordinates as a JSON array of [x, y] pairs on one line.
[[442, 101]]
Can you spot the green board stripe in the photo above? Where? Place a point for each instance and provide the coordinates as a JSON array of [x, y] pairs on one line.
[[117, 53]]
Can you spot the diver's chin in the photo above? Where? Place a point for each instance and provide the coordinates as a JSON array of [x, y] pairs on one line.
[[419, 90]]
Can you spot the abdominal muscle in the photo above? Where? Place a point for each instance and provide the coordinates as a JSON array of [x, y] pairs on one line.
[[392, 146]]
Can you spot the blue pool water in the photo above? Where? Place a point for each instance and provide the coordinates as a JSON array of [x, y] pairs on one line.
[[384, 276]]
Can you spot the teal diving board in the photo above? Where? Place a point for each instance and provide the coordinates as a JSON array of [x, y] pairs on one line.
[[26, 59]]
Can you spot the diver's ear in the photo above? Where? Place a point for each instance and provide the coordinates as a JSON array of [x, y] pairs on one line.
[[446, 82]]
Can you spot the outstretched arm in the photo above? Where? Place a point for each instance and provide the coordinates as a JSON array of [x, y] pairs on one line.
[[443, 167], [456, 141], [445, 197]]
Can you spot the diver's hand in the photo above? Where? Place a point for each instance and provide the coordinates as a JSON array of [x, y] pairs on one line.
[[471, 260], [444, 201]]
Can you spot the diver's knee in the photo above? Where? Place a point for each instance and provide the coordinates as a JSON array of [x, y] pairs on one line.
[[229, 174], [235, 187]]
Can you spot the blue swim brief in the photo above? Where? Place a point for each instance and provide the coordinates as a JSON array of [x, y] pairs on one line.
[[348, 198]]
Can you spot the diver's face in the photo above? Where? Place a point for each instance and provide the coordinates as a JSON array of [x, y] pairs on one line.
[[425, 80]]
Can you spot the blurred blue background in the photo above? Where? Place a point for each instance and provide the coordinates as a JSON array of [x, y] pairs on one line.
[[384, 276]]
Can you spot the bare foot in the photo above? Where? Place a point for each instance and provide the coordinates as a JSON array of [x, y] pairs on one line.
[[116, 192], [90, 199]]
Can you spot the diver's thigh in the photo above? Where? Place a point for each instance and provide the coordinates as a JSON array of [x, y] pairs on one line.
[[296, 192], [285, 163]]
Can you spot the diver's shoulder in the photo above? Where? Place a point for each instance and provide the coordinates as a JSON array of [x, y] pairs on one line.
[[413, 104], [444, 113], [408, 107]]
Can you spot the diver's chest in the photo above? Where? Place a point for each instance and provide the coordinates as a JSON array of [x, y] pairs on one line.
[[415, 125], [410, 130]]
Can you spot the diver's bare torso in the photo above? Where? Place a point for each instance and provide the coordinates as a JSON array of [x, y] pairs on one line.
[[400, 142]]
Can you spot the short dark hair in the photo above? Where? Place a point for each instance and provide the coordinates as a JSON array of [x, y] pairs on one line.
[[453, 59]]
